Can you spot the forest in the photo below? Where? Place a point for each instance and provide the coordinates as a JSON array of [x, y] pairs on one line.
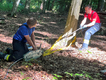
[[55, 19]]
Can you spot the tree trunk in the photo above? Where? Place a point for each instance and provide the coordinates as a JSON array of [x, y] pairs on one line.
[[14, 9], [67, 38], [73, 16], [48, 4], [43, 5], [64, 41], [27, 5], [101, 4], [98, 8]]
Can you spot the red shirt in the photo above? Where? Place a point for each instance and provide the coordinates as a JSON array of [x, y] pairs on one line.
[[93, 16]]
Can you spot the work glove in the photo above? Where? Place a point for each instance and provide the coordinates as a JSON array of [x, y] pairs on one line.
[[82, 27]]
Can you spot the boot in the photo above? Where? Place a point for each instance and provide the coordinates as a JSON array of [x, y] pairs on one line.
[[9, 51], [84, 47], [2, 55]]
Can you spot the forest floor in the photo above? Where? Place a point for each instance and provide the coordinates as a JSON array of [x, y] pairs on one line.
[[63, 65]]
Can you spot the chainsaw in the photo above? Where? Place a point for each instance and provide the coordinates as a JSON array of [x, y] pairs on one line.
[[33, 54]]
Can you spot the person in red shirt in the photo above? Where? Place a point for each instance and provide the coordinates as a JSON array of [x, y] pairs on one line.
[[92, 27]]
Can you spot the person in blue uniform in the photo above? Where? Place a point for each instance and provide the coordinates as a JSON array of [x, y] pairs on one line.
[[24, 34]]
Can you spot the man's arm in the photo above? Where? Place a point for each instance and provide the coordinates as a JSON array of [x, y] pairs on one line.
[[30, 41], [83, 21], [91, 24], [33, 38]]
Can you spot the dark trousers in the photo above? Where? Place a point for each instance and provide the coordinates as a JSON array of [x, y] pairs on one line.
[[19, 49]]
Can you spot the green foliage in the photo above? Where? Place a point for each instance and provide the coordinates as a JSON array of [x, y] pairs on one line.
[[26, 77], [56, 76], [71, 74], [27, 63], [60, 6], [59, 76], [84, 74], [20, 8], [93, 3], [89, 51], [80, 51], [22, 73], [5, 6], [35, 5]]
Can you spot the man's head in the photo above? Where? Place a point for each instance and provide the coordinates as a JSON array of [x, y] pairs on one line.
[[31, 22], [88, 9]]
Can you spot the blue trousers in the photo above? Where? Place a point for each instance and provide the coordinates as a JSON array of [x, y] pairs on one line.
[[90, 31]]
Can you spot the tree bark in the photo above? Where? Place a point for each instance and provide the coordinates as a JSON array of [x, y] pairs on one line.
[[102, 5], [14, 9], [48, 4], [27, 5], [43, 5]]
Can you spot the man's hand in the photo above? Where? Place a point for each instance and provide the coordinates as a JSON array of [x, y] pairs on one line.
[[30, 42], [34, 48], [82, 27]]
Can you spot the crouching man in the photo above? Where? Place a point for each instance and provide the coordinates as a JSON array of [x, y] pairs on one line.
[[20, 38]]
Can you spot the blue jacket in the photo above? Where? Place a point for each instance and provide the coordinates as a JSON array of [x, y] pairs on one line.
[[22, 31]]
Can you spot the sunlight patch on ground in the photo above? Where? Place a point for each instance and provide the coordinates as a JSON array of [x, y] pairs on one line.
[[47, 34], [53, 22], [38, 25], [18, 24], [43, 43], [47, 17], [44, 23], [23, 75], [97, 36], [96, 51], [26, 18], [5, 39]]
